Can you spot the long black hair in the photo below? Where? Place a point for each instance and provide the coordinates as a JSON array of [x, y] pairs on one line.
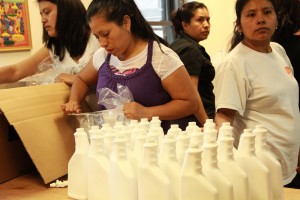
[[184, 14], [115, 10], [72, 29], [237, 35], [288, 15]]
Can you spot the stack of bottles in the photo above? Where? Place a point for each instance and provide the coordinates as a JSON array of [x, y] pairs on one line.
[[139, 162]]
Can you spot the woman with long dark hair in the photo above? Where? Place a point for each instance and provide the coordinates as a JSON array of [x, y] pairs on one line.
[[67, 38], [133, 56]]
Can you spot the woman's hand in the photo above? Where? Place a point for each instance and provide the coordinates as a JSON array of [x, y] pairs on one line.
[[71, 107], [66, 78], [134, 110]]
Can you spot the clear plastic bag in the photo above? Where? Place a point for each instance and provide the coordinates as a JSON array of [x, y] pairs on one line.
[[87, 120], [111, 100], [49, 69], [114, 103], [46, 73]]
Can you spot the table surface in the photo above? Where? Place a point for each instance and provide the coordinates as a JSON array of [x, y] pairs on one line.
[[31, 187]]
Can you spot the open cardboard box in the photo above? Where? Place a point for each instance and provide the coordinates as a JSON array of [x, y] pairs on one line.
[[45, 131]]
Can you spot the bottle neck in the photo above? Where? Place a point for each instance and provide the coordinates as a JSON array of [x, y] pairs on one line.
[[97, 145], [168, 150], [119, 151], [81, 142], [225, 149], [261, 141], [210, 155], [150, 154], [192, 161], [246, 145]]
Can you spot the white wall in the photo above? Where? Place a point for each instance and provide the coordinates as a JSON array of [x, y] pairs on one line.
[[221, 13], [222, 17]]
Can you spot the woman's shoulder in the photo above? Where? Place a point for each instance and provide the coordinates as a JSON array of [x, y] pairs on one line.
[[277, 47], [182, 43], [163, 52], [234, 58]]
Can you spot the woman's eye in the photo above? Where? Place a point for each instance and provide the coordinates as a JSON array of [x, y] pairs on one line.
[[268, 12], [250, 15]]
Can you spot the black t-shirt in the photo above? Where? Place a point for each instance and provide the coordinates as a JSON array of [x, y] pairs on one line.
[[197, 62]]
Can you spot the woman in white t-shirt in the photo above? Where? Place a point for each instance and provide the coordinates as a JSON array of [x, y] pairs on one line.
[[255, 85], [133, 56], [68, 43]]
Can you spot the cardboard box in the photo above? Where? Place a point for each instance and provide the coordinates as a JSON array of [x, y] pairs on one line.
[[45, 131], [14, 160]]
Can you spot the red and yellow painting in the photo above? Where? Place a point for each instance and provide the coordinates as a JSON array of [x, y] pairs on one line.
[[14, 25]]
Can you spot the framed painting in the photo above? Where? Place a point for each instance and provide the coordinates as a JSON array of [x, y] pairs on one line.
[[14, 25]]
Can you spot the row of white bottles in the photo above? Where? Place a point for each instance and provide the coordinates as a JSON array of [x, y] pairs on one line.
[[210, 165], [152, 181], [194, 185], [77, 166], [122, 179], [97, 168], [177, 166], [231, 170]]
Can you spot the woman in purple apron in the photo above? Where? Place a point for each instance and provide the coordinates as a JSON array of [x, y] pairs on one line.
[[133, 56]]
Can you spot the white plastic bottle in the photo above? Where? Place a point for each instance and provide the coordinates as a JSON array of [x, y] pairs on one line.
[[226, 131], [135, 132], [133, 123], [105, 128], [118, 126], [182, 143], [109, 138], [122, 180], [197, 137], [144, 123], [169, 164], [77, 167], [97, 169], [190, 127], [174, 130], [209, 123], [152, 181], [131, 126], [264, 155], [210, 166], [155, 121], [157, 133], [94, 130], [138, 148], [130, 156], [194, 185], [231, 170], [258, 173]]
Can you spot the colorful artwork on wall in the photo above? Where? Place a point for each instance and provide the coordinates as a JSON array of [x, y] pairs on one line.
[[14, 25]]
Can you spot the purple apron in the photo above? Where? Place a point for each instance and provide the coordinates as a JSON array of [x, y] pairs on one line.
[[144, 83]]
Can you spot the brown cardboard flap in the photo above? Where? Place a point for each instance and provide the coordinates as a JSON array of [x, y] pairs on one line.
[[14, 159], [46, 132]]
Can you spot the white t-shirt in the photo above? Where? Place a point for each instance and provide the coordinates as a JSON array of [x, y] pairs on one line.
[[51, 67], [68, 65], [262, 89], [164, 63]]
